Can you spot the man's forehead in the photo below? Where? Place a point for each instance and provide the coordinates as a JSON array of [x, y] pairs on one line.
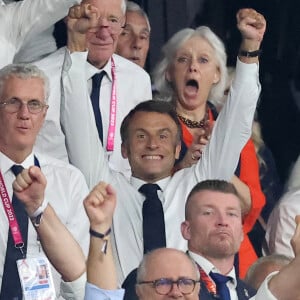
[[134, 18], [205, 197]]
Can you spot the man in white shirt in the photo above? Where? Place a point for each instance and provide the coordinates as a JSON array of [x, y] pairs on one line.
[[151, 141], [23, 107], [93, 31], [22, 20], [214, 231]]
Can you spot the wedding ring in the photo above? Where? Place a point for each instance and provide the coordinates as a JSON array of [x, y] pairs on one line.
[[193, 157]]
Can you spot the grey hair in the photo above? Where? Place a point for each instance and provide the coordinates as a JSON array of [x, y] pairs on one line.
[[278, 260], [24, 71], [134, 7], [169, 51], [142, 268]]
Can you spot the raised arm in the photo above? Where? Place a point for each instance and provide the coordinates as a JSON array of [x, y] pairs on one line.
[[24, 19], [77, 116], [58, 244], [285, 284], [233, 126], [101, 271]]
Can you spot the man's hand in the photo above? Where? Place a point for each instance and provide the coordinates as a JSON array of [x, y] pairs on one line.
[[100, 205], [81, 19], [29, 186]]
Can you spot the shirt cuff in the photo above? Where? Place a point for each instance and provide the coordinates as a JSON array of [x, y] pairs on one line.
[[263, 292], [73, 290], [75, 60], [93, 292]]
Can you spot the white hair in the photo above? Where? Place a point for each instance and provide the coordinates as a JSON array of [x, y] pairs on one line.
[[169, 51], [134, 7]]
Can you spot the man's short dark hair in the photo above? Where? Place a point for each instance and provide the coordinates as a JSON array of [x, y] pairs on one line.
[[214, 185], [157, 106]]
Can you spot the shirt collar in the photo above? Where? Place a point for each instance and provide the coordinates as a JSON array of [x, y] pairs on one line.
[[208, 267], [92, 70], [137, 183], [6, 163]]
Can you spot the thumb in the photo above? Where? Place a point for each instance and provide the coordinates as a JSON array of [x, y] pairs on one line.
[[110, 190], [37, 175]]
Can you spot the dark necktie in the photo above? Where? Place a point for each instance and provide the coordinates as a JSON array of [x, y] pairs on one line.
[[11, 286], [153, 218], [96, 84], [222, 288]]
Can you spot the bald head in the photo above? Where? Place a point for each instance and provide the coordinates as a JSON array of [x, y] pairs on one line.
[[166, 263]]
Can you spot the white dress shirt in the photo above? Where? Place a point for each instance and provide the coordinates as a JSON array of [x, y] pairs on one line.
[[132, 87], [281, 225], [263, 292], [219, 160], [65, 191], [24, 19]]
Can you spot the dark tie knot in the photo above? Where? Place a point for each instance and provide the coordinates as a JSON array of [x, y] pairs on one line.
[[97, 78], [17, 169], [219, 278], [149, 189]]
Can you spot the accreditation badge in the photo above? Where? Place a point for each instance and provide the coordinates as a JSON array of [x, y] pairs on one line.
[[36, 279]]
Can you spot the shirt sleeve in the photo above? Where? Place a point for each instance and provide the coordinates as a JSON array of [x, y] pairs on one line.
[[281, 225], [233, 126], [29, 17], [263, 292], [73, 290], [92, 292]]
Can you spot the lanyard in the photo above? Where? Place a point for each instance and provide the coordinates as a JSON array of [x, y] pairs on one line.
[[210, 285], [113, 110], [10, 213]]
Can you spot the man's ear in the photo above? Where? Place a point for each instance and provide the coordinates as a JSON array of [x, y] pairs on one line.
[[177, 150], [186, 230], [124, 150]]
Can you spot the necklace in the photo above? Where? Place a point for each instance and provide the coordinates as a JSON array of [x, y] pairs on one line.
[[194, 124]]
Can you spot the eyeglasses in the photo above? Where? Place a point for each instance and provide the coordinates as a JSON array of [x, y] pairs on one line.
[[163, 286], [114, 24], [14, 105]]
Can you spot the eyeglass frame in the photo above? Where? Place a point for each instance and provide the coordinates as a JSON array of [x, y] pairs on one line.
[[170, 282], [5, 105]]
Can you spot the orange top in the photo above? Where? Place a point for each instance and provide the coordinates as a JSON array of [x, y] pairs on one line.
[[249, 174]]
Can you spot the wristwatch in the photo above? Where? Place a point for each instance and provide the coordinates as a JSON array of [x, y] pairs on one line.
[[250, 53], [36, 217]]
